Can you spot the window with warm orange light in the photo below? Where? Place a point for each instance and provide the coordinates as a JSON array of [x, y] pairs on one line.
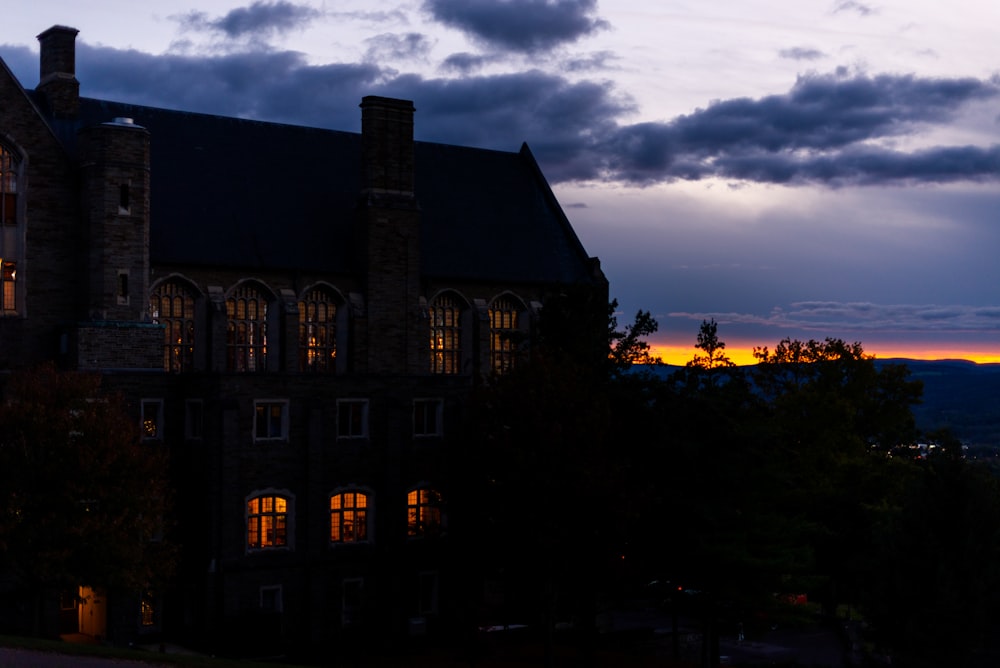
[[318, 332], [446, 335], [11, 234], [267, 522], [151, 420], [172, 305], [246, 332], [423, 512], [503, 334], [349, 517]]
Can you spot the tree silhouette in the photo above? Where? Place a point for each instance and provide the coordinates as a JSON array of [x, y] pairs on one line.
[[82, 502]]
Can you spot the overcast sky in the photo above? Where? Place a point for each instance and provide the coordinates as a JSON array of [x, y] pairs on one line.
[[790, 169]]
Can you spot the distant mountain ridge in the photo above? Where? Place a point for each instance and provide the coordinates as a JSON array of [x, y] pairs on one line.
[[959, 395]]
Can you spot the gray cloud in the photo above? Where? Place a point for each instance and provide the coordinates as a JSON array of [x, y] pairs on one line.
[[258, 20], [820, 132], [826, 316], [464, 62], [832, 129], [389, 45], [801, 53], [525, 26], [855, 7]]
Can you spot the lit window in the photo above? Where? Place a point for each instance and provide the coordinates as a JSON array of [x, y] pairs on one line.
[[172, 305], [423, 512], [317, 332], [246, 333], [270, 420], [8, 292], [147, 610], [352, 418], [349, 517], [267, 522], [446, 335], [504, 334], [427, 417], [151, 420], [10, 236]]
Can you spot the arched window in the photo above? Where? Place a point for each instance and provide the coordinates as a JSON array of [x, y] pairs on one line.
[[318, 332], [504, 334], [446, 335], [246, 334], [349, 517], [172, 305], [267, 521], [423, 512], [10, 234]]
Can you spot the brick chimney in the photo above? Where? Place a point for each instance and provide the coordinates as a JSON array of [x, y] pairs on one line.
[[57, 73], [391, 336], [387, 146]]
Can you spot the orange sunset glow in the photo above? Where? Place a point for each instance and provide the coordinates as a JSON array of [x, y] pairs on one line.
[[742, 354]]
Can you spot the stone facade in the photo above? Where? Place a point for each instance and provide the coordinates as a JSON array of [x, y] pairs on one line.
[[290, 386]]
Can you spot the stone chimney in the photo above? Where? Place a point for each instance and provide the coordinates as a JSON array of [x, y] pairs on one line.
[[387, 147], [57, 74]]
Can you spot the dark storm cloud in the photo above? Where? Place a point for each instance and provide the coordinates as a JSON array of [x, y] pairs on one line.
[[260, 19], [464, 62], [821, 131], [275, 86], [835, 129], [525, 26], [825, 316]]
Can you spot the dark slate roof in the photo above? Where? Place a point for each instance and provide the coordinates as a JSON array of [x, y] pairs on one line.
[[247, 194]]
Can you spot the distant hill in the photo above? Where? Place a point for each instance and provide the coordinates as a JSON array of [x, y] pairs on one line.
[[959, 395]]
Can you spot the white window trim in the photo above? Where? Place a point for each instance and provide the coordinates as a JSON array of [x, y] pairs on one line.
[[425, 403], [364, 420], [283, 436], [279, 598]]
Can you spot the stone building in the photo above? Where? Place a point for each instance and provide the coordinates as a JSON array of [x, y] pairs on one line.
[[299, 315]]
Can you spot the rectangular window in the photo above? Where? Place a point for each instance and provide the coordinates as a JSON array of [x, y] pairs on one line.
[[352, 601], [193, 418], [352, 418], [151, 419], [427, 593], [427, 414], [270, 421], [270, 598]]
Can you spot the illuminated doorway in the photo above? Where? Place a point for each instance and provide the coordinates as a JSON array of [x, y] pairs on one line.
[[92, 612]]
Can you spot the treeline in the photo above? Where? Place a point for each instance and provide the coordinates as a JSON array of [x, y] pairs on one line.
[[585, 478]]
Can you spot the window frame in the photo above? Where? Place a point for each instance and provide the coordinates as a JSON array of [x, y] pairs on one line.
[[324, 350], [446, 315], [279, 598], [194, 420], [178, 320], [504, 315], [367, 511], [247, 318], [422, 407], [350, 433], [155, 421], [11, 230], [417, 525], [277, 535], [283, 417]]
